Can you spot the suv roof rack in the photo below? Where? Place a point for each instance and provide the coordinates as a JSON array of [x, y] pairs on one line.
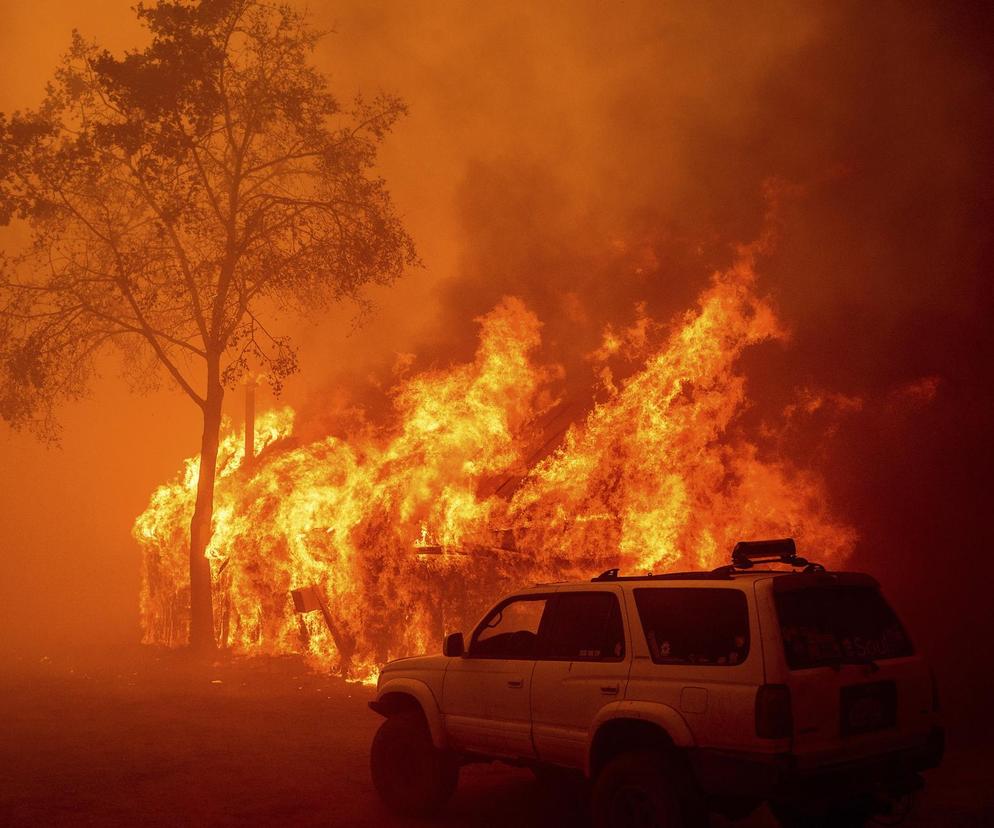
[[745, 555], [612, 575]]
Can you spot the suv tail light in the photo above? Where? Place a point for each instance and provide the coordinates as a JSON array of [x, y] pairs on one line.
[[774, 717], [935, 691]]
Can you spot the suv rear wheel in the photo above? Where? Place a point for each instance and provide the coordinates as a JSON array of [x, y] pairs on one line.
[[411, 775], [643, 789]]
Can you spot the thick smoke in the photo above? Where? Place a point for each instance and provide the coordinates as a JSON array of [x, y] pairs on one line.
[[588, 159]]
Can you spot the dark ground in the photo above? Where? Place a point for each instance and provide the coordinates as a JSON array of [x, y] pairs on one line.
[[268, 743]]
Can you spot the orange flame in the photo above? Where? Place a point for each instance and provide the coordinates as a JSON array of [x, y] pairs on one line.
[[413, 530]]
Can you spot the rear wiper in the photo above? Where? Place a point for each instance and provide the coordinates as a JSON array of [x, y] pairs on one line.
[[869, 662], [836, 663]]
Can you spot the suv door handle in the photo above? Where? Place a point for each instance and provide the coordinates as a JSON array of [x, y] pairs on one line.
[[609, 689], [516, 683]]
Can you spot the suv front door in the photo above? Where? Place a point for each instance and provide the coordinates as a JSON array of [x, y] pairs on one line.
[[582, 666], [486, 694]]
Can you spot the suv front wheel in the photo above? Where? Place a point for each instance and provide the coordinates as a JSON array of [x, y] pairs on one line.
[[643, 789], [411, 775]]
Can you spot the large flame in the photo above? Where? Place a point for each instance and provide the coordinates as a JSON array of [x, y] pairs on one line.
[[411, 529]]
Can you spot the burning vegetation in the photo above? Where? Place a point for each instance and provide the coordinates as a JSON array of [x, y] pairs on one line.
[[473, 486]]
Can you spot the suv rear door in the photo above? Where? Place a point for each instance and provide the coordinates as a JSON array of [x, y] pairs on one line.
[[582, 665], [857, 686], [697, 651]]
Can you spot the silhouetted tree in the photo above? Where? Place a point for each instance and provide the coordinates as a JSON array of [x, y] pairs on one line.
[[176, 196]]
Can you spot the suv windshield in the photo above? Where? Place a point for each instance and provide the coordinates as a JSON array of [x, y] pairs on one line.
[[825, 625], [510, 630]]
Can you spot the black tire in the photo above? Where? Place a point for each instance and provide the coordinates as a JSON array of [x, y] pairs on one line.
[[644, 789], [412, 777]]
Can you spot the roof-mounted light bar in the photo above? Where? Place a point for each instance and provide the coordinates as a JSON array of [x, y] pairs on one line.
[[747, 553]]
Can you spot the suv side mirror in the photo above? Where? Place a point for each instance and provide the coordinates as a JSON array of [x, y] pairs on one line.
[[453, 646]]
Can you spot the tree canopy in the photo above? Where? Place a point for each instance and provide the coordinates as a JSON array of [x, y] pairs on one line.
[[175, 195]]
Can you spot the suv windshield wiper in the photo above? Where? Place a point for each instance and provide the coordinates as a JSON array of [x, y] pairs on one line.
[[869, 662], [836, 663]]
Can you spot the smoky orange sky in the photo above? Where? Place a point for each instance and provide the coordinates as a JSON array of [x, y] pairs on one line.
[[586, 156]]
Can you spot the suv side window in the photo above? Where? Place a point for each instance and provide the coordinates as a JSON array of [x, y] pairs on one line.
[[703, 627], [510, 630], [583, 626]]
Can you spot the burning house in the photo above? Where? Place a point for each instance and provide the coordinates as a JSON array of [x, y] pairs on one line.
[[482, 478]]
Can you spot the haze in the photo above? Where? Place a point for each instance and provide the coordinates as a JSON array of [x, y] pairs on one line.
[[586, 156]]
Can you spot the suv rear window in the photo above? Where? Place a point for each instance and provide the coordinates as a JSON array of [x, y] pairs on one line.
[[833, 624], [706, 627]]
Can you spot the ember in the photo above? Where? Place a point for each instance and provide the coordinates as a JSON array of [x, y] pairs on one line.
[[411, 529]]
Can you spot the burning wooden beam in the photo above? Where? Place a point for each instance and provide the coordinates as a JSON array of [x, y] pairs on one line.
[[311, 598]]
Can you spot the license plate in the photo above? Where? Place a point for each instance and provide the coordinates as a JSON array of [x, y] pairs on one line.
[[868, 707]]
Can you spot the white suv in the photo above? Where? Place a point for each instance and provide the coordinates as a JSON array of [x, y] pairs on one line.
[[676, 694]]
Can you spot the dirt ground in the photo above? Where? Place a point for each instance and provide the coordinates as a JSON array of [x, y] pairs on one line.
[[159, 742]]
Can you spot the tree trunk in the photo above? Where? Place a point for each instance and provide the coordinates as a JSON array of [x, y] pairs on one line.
[[201, 605]]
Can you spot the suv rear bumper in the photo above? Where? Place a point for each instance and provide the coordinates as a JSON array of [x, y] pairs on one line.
[[776, 776]]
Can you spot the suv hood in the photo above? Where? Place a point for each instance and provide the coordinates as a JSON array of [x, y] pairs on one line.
[[416, 664]]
